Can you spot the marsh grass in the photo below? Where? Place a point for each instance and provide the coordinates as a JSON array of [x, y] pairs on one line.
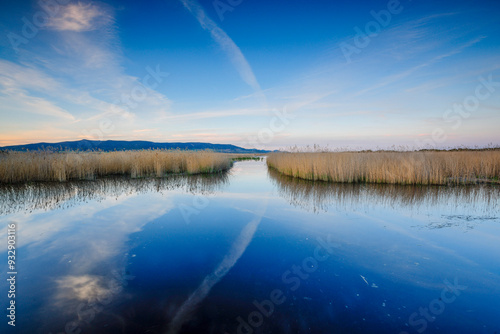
[[419, 167], [63, 166]]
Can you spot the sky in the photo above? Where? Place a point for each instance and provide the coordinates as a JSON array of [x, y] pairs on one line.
[[257, 74]]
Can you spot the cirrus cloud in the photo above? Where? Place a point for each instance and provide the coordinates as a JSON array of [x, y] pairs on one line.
[[79, 17]]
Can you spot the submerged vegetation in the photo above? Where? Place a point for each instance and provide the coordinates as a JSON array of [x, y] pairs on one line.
[[419, 167], [63, 166]]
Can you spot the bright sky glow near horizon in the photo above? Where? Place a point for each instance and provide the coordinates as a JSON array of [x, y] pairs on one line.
[[357, 74]]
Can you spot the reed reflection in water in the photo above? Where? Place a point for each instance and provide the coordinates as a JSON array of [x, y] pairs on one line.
[[477, 202], [54, 195]]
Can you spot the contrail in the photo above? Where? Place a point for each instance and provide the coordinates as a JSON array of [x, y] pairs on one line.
[[226, 43]]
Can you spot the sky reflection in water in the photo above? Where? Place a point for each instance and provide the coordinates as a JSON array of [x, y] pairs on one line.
[[195, 254]]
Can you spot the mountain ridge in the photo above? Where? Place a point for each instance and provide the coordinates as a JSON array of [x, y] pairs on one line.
[[124, 145]]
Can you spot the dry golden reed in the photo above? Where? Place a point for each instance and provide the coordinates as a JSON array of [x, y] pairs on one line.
[[63, 166], [421, 167]]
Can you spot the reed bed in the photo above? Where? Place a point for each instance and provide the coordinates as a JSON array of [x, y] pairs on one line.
[[52, 166], [420, 167]]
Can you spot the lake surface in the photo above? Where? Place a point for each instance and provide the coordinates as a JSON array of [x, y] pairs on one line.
[[252, 251]]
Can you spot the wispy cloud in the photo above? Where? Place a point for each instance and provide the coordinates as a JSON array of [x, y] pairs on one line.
[[225, 42], [144, 130], [79, 17], [79, 78], [24, 102], [399, 76], [15, 83], [32, 90], [14, 76], [218, 114]]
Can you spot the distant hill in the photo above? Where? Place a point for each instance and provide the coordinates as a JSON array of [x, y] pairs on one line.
[[122, 145]]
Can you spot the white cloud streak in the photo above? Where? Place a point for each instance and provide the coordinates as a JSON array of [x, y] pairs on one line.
[[225, 42], [79, 79], [79, 17], [397, 77]]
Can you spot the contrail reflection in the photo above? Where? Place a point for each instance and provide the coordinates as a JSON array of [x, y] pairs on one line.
[[237, 249]]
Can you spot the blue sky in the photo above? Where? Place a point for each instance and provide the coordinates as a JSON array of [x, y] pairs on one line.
[[266, 74]]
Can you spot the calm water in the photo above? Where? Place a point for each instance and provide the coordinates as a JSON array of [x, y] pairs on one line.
[[252, 252]]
